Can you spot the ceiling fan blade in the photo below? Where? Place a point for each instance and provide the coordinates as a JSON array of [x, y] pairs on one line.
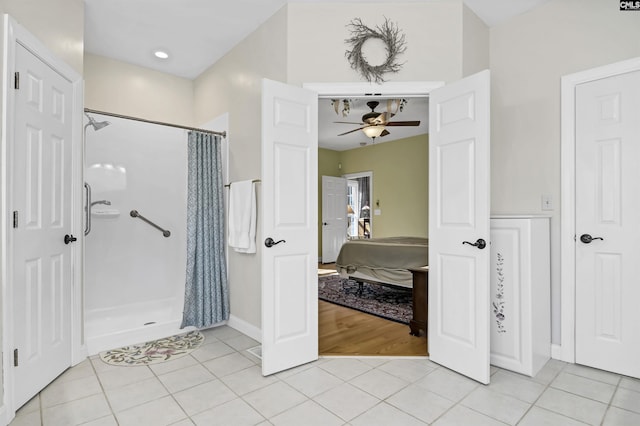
[[349, 122], [403, 123], [351, 131], [385, 132]]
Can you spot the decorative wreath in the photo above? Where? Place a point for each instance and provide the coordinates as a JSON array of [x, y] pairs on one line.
[[392, 37]]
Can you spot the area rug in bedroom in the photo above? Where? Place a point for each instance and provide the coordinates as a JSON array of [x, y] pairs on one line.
[[165, 349], [385, 302]]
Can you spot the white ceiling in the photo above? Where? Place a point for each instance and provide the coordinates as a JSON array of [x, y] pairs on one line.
[[196, 33], [416, 109]]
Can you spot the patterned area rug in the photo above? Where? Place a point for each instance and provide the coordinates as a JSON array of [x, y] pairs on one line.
[[386, 302], [168, 348]]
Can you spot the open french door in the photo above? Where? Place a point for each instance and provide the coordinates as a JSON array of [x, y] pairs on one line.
[[459, 204], [290, 219]]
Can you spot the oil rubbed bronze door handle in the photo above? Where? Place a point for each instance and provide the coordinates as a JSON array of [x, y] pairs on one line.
[[269, 242], [480, 243], [586, 238]]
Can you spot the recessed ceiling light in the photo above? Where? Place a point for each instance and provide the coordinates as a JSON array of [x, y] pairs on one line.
[[161, 54]]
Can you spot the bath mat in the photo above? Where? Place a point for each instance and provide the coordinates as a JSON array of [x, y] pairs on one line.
[[166, 349], [386, 302]]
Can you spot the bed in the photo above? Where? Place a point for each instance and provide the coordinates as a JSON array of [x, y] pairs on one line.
[[390, 261], [385, 260]]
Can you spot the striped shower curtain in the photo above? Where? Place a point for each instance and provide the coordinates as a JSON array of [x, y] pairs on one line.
[[206, 299]]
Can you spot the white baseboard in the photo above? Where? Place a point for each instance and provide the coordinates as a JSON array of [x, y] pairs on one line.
[[245, 328], [5, 418], [556, 351]]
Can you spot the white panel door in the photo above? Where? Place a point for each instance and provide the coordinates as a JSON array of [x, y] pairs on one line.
[[334, 216], [41, 175], [607, 230], [459, 178], [290, 219]]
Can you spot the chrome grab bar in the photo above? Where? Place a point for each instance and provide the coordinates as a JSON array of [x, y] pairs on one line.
[[134, 213], [87, 210]]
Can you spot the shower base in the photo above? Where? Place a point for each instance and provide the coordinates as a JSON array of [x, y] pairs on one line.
[[127, 325]]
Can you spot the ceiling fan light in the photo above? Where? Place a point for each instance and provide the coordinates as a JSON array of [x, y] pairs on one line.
[[373, 131]]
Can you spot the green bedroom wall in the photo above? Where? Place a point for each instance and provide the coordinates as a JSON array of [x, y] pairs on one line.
[[400, 183]]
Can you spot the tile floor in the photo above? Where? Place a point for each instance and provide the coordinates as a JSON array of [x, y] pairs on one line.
[[220, 384]]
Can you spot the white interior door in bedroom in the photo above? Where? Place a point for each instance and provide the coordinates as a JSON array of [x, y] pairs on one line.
[[459, 182], [289, 226], [334, 216], [607, 233]]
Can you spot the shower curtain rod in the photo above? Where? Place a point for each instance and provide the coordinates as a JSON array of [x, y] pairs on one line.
[[161, 123]]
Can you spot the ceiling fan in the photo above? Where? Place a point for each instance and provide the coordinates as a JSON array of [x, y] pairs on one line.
[[374, 123]]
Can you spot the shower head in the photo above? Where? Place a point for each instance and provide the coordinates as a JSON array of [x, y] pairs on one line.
[[97, 125]]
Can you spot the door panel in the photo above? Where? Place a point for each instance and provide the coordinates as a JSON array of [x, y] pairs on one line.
[[459, 292], [607, 205], [334, 217], [289, 213], [41, 194]]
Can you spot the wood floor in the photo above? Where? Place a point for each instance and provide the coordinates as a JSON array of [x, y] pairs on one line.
[[344, 331]]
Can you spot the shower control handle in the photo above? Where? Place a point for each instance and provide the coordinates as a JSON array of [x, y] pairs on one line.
[[69, 239], [269, 242]]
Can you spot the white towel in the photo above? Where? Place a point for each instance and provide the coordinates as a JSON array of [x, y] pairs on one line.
[[242, 216]]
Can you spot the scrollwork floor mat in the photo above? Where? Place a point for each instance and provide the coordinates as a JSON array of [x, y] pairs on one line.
[[165, 349]]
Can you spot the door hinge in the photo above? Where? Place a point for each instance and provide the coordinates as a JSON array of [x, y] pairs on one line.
[[15, 219], [16, 80], [15, 357]]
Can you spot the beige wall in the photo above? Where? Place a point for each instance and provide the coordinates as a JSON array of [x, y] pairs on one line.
[[122, 88], [58, 24], [233, 85], [400, 183], [529, 54], [317, 32], [475, 43]]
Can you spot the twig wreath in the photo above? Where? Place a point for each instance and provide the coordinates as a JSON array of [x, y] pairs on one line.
[[390, 35]]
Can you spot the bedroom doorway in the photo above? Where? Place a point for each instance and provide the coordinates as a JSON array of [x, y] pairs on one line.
[[379, 180]]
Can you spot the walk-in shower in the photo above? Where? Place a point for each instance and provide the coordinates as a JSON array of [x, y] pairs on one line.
[[134, 274]]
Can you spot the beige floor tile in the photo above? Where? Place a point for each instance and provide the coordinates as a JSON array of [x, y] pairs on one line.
[[274, 399], [420, 403], [384, 414], [76, 412], [186, 378], [134, 394], [236, 413], [308, 413], [159, 412], [204, 396], [573, 406], [346, 401]]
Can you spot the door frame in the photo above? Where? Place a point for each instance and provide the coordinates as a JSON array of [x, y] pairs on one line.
[[406, 89], [15, 33], [567, 194], [369, 174]]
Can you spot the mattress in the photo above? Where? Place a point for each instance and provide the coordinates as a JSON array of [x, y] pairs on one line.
[[386, 260]]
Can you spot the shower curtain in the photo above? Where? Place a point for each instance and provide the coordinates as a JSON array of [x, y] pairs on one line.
[[206, 299]]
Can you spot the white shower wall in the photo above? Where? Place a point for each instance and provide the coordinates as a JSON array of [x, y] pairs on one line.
[[134, 276]]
